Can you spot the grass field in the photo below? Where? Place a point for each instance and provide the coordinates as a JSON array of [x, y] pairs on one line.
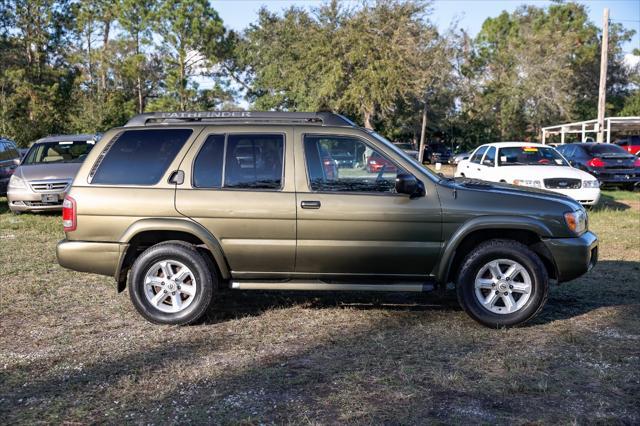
[[73, 350]]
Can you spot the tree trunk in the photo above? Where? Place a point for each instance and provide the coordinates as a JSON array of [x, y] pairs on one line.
[[423, 133], [368, 116], [105, 46], [139, 79]]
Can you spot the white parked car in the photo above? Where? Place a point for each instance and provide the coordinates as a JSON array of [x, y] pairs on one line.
[[530, 164]]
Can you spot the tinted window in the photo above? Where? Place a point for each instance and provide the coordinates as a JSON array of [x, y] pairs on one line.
[[477, 156], [606, 149], [139, 157], [343, 164], [59, 152], [254, 161], [567, 150], [207, 168], [490, 158]]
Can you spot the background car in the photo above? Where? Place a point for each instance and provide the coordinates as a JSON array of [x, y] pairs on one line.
[[436, 153], [533, 165], [610, 163], [408, 148], [376, 163], [631, 144], [457, 158], [9, 161], [45, 174]]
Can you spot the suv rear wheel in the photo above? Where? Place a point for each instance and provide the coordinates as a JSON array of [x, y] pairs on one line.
[[502, 283], [171, 283]]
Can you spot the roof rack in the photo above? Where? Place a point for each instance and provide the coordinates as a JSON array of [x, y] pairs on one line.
[[249, 117]]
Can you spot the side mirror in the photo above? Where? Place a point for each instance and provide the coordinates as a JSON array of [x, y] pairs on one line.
[[408, 184]]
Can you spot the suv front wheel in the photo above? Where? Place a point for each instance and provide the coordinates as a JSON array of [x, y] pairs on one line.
[[171, 283], [502, 283]]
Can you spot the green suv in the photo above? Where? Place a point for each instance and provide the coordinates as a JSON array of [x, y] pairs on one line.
[[178, 206]]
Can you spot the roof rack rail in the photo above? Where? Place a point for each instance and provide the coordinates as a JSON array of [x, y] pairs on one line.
[[249, 117]]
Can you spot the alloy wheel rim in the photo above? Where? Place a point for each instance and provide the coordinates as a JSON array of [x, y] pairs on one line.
[[503, 286], [170, 286]]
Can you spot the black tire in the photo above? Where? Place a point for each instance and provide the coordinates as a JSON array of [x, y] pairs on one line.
[[502, 249], [188, 255]]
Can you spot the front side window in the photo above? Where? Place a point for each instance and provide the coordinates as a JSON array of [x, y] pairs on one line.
[[254, 161], [345, 164], [59, 152], [490, 158], [139, 157], [477, 156]]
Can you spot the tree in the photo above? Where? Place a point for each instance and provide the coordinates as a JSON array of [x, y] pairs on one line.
[[187, 28], [137, 18], [537, 66], [361, 61]]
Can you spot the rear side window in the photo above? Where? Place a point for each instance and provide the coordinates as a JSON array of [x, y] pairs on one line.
[[207, 168], [139, 157], [254, 161]]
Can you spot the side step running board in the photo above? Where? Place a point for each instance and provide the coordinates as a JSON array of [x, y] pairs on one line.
[[321, 285]]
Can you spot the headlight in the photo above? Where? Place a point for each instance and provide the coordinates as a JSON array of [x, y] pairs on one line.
[[590, 184], [17, 183], [576, 221], [524, 182]]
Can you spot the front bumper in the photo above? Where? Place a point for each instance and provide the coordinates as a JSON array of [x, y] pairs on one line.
[[585, 196], [26, 200], [573, 257], [93, 257]]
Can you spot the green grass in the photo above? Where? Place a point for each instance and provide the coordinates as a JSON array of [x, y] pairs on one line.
[[73, 350]]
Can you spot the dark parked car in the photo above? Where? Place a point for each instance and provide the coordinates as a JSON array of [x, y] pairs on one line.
[[436, 153], [9, 161], [611, 164], [631, 144]]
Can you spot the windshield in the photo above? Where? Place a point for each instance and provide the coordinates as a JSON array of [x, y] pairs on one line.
[[58, 152], [530, 156], [403, 154]]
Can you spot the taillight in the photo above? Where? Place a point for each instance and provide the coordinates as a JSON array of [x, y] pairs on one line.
[[69, 216], [595, 162], [636, 163]]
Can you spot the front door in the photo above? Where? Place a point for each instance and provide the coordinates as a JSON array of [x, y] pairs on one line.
[[350, 219]]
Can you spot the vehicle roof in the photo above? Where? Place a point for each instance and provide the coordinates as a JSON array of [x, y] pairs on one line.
[[512, 144], [239, 117], [59, 138]]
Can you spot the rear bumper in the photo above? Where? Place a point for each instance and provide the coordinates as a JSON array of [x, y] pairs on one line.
[[573, 256], [93, 257]]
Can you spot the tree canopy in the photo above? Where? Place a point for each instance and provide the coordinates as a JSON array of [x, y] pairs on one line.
[[71, 66]]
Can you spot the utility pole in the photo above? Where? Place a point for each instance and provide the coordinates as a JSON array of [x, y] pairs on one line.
[[602, 92]]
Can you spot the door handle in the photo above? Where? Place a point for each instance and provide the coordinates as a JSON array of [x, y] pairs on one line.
[[310, 204]]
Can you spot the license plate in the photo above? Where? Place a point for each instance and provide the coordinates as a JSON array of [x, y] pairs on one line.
[[50, 198]]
